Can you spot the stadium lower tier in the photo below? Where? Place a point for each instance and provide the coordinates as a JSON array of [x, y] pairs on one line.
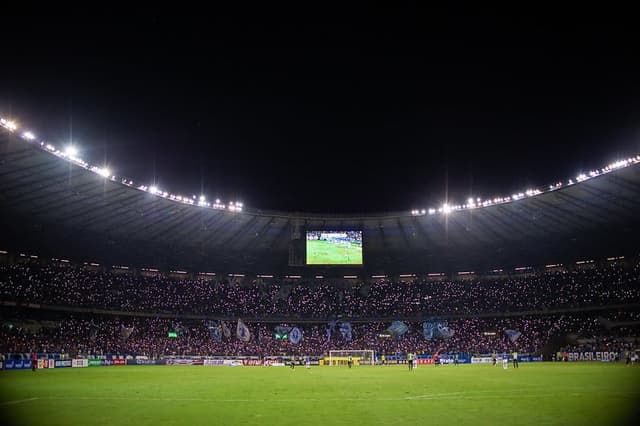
[[27, 331]]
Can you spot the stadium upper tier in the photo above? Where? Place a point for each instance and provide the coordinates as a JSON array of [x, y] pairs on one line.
[[55, 207]]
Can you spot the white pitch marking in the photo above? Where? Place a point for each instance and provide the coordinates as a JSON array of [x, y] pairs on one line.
[[18, 401]]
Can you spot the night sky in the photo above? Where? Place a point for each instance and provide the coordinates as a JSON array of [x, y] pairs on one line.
[[386, 110]]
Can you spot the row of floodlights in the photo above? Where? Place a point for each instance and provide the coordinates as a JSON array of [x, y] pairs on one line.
[[70, 153], [479, 202]]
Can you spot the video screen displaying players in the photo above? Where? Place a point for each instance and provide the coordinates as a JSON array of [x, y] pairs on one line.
[[334, 247]]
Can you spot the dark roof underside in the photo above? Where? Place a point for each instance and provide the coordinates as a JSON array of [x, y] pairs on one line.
[[53, 208]]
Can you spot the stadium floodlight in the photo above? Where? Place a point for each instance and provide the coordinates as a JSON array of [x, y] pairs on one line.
[[432, 211], [153, 189], [28, 135], [423, 211], [104, 172], [71, 151], [202, 199], [446, 209], [8, 124]]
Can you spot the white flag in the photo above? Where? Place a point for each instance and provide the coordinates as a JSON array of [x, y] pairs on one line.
[[242, 331], [225, 329]]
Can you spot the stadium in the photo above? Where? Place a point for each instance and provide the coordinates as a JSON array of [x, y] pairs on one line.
[[126, 301]]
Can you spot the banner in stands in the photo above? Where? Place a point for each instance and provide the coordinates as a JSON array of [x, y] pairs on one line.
[[62, 363], [252, 362], [79, 363], [95, 362], [210, 362], [187, 361], [593, 356], [17, 364], [143, 361], [529, 358], [46, 363], [489, 360]]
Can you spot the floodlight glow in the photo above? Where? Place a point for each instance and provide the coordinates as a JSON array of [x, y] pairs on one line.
[[446, 209], [71, 151], [432, 211], [153, 189], [103, 172], [28, 135], [202, 199], [9, 124]]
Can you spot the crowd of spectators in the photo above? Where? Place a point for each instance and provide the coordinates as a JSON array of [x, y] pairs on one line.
[[475, 310], [79, 287], [89, 335]]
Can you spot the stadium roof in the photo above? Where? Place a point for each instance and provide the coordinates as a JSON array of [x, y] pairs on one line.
[[66, 208]]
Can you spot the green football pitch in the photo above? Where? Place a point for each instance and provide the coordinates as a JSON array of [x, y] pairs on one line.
[[325, 253], [535, 394]]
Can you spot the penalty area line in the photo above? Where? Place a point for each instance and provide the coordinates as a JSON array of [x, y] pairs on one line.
[[17, 401]]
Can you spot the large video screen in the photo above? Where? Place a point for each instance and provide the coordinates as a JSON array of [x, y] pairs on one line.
[[334, 247]]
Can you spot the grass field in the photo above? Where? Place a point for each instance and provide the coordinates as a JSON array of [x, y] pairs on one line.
[[324, 253], [535, 394]]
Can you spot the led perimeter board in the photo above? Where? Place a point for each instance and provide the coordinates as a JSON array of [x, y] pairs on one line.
[[334, 248]]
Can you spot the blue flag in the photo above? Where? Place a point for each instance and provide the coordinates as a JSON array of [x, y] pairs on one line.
[[427, 330], [435, 328], [397, 329], [331, 328], [513, 334], [295, 335], [242, 331], [215, 330], [345, 330]]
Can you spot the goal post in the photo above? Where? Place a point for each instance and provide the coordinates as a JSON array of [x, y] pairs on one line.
[[360, 357]]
